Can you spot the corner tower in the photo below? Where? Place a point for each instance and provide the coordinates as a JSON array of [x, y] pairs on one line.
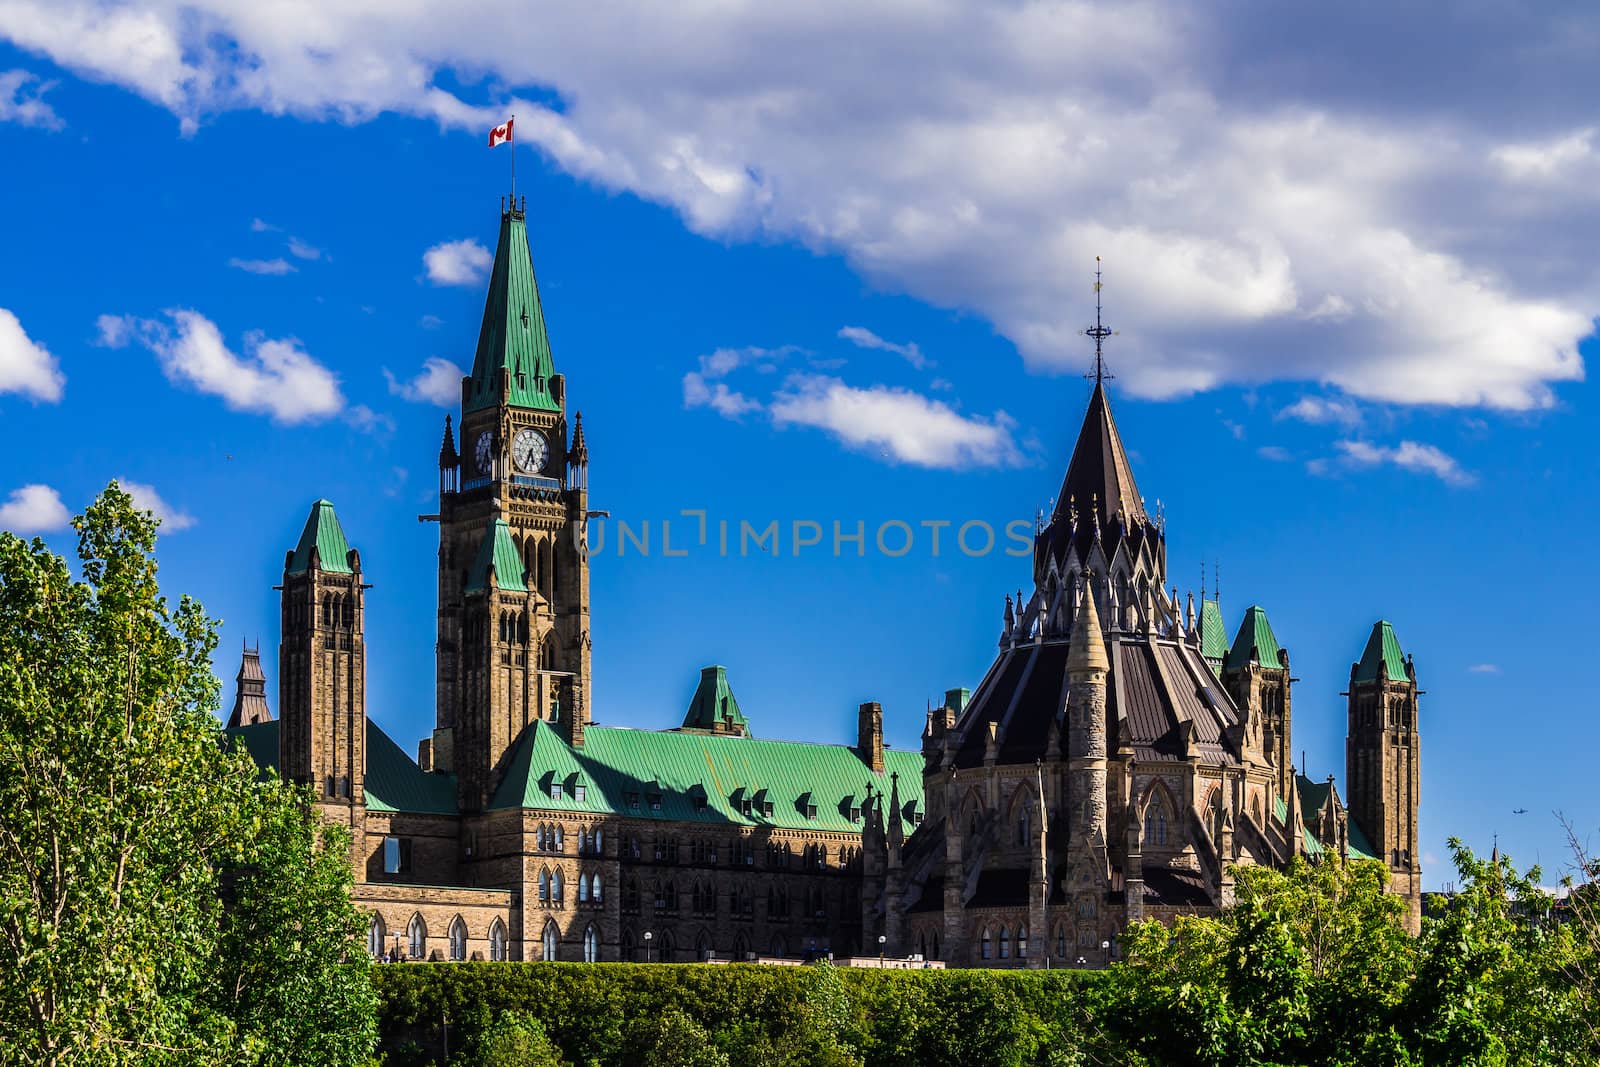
[[322, 670], [513, 619], [1383, 760]]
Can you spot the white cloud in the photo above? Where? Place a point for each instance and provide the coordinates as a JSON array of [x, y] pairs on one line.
[[301, 250], [366, 420], [1320, 410], [430, 322], [1329, 207], [862, 337], [34, 509], [697, 393], [1548, 159], [263, 266], [262, 226], [274, 377], [26, 367], [438, 382], [145, 498], [898, 424], [1408, 455], [1275, 453], [464, 262], [22, 100], [1484, 668]]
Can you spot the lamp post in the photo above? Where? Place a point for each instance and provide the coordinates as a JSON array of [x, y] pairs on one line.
[[882, 940], [647, 938], [1105, 951], [397, 956]]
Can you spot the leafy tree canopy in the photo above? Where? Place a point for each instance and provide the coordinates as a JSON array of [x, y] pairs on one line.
[[159, 903]]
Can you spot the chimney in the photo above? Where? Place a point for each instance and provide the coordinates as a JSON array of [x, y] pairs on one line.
[[869, 735]]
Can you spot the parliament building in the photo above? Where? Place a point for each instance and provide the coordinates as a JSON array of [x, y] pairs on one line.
[[1118, 758]]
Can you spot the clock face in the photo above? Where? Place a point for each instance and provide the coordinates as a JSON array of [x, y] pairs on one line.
[[530, 450], [485, 452]]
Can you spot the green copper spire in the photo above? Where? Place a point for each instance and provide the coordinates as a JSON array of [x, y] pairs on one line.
[[1255, 640], [1382, 648], [1213, 632], [713, 703], [499, 549], [512, 338], [323, 533]]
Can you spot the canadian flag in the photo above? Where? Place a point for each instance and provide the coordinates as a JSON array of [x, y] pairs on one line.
[[500, 134]]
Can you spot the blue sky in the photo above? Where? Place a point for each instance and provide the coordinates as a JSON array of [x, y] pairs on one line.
[[1356, 312]]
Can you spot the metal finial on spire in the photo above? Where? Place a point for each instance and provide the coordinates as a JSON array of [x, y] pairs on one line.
[[1099, 331]]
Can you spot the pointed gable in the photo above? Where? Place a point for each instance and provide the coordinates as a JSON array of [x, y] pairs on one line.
[[1213, 634], [322, 532], [1383, 650], [1255, 641], [713, 707], [512, 343], [500, 551], [1099, 472]]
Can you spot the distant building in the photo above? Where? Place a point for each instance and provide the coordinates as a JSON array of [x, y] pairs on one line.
[[1157, 755]]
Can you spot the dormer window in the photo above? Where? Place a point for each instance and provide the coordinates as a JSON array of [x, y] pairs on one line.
[[855, 813], [579, 793], [632, 799], [811, 812], [655, 801], [556, 789]]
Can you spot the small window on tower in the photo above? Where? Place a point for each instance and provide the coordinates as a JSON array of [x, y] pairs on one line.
[[579, 792], [556, 791]]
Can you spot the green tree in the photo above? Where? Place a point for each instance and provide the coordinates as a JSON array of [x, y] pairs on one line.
[[512, 1039], [1493, 984], [124, 821], [671, 1039]]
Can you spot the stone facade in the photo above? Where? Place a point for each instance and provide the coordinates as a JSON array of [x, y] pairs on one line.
[[1114, 764]]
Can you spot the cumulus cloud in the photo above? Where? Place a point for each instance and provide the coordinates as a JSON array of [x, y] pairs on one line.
[[1314, 203], [464, 262], [26, 367], [1320, 410], [862, 337], [1408, 455], [898, 424], [22, 100], [698, 393], [1484, 668], [274, 377], [146, 498], [438, 382], [34, 509], [263, 266]]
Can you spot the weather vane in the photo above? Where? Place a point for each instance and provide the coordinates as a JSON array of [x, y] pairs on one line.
[[1099, 331]]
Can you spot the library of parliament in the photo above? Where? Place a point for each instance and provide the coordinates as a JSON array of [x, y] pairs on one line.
[[1118, 759]]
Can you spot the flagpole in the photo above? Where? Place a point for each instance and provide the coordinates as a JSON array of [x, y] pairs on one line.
[[513, 132]]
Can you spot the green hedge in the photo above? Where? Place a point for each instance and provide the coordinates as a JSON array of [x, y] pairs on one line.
[[605, 1014]]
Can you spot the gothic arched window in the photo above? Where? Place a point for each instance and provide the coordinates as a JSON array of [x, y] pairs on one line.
[[1005, 943], [594, 887], [556, 886], [417, 937], [458, 939], [552, 940], [544, 887], [591, 945], [1022, 942], [497, 940], [987, 946], [375, 936]]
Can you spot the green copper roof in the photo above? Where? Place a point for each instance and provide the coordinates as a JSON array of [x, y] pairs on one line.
[[713, 702], [512, 336], [499, 549], [695, 777], [323, 531], [1213, 634], [1382, 648], [1312, 796], [1255, 641], [393, 781]]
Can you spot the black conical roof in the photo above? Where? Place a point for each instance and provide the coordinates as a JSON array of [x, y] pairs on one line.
[[1099, 470]]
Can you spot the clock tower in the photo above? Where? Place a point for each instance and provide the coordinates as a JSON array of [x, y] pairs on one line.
[[513, 623]]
